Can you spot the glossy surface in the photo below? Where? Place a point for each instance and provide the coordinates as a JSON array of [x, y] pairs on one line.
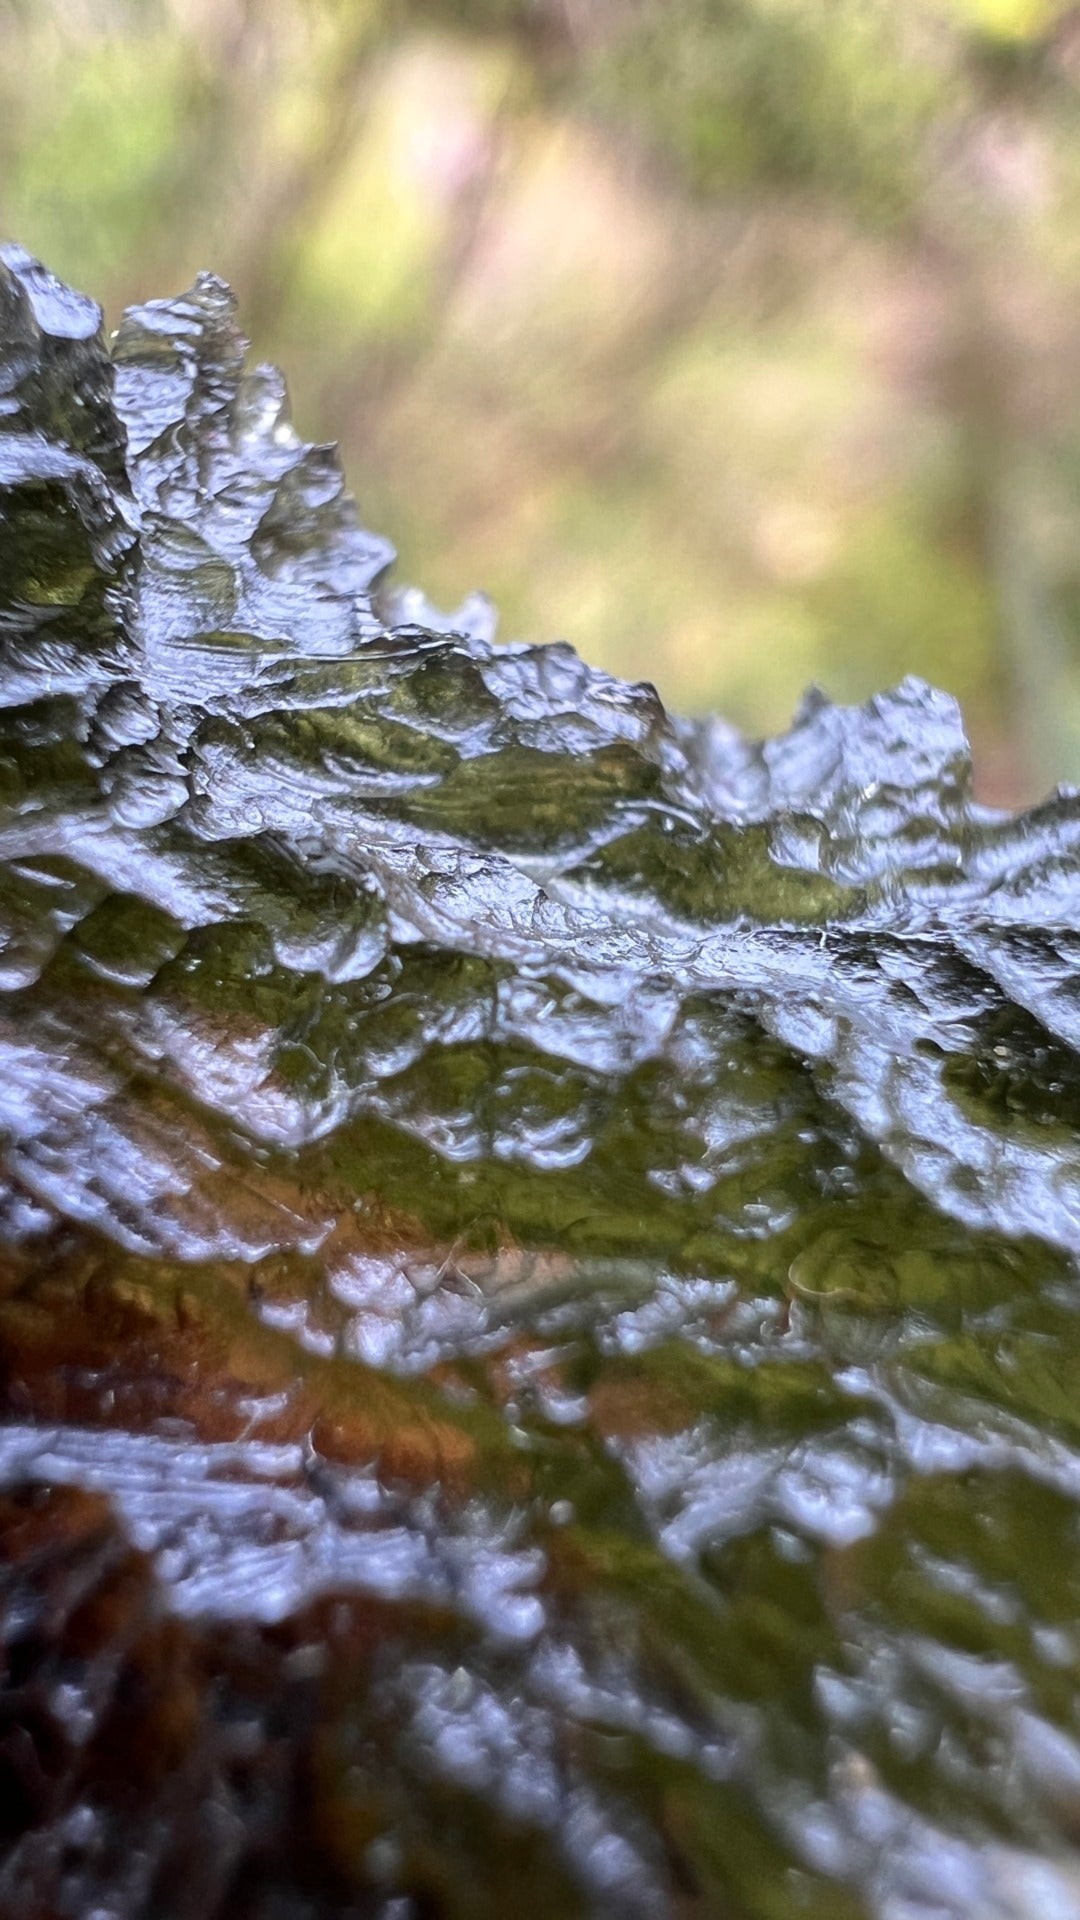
[[553, 1227]]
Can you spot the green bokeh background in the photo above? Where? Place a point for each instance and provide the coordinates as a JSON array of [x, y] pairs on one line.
[[737, 341]]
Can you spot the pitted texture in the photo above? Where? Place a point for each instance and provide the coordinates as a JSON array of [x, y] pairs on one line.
[[592, 1200]]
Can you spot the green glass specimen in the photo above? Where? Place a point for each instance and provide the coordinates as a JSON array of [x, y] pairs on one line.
[[539, 1351]]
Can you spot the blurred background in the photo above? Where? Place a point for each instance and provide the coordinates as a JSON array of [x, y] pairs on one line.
[[736, 341]]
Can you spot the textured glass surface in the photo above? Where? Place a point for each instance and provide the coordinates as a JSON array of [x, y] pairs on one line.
[[538, 1298]]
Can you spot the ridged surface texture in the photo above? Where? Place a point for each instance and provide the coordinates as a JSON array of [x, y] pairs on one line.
[[539, 1358]]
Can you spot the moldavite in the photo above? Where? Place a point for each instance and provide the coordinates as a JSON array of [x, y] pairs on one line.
[[539, 1351]]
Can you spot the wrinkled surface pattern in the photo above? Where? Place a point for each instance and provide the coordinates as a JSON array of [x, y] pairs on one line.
[[538, 1241]]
